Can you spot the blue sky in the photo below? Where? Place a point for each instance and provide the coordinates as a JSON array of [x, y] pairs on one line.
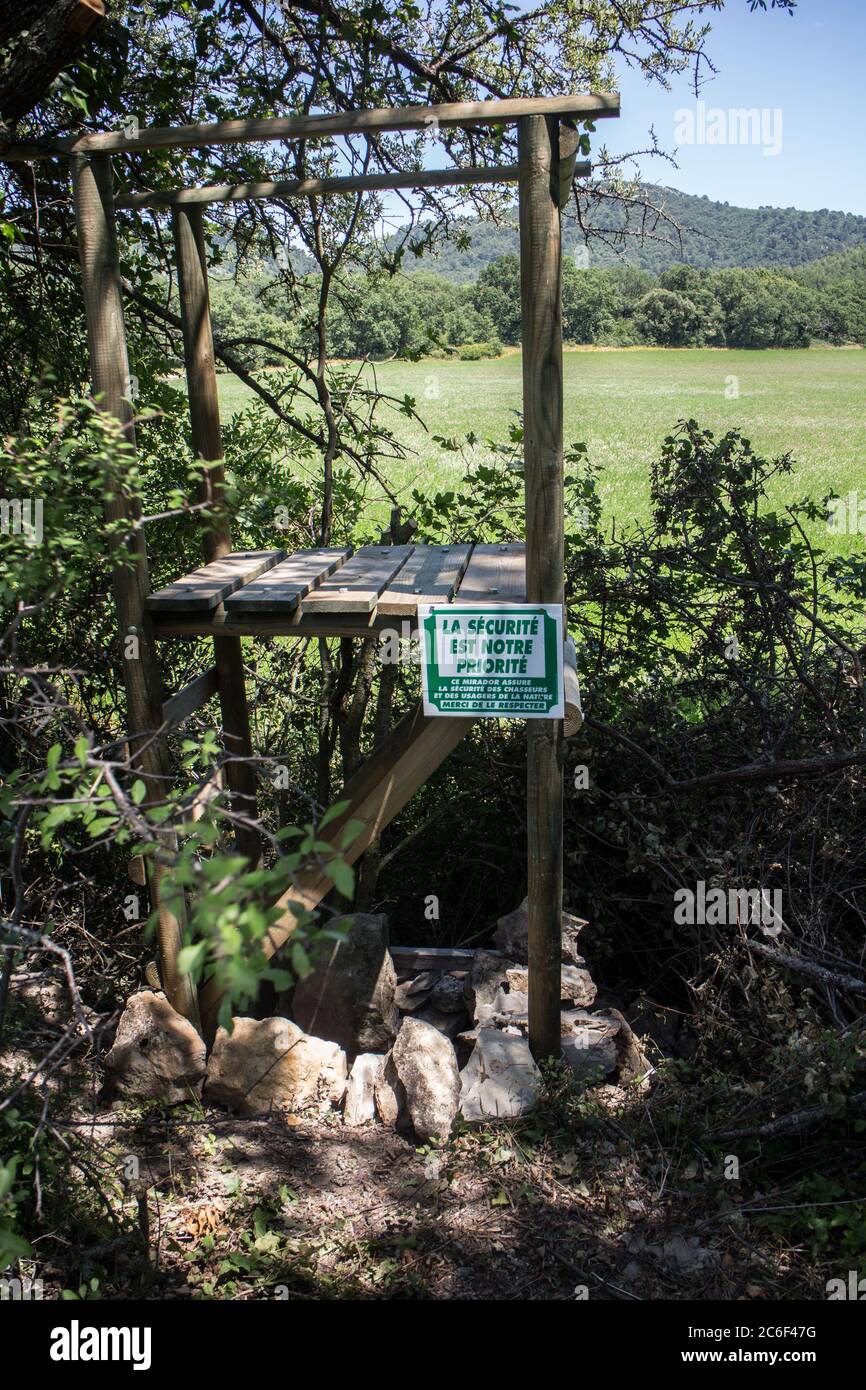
[[809, 67]]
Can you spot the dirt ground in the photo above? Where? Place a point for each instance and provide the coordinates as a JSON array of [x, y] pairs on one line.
[[267, 1209], [608, 1193]]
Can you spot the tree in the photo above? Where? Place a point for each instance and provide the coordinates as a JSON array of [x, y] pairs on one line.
[[763, 309], [38, 42], [697, 286], [497, 294], [589, 303], [839, 282], [669, 319]]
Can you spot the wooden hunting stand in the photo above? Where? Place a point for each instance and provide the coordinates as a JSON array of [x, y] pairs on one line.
[[329, 592]]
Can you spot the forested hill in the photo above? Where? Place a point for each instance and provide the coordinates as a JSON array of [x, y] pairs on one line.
[[714, 235]]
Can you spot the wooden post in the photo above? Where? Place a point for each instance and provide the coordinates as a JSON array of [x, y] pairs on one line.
[[540, 274], [204, 412], [109, 371]]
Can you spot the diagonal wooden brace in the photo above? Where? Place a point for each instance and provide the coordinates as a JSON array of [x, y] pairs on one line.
[[376, 794]]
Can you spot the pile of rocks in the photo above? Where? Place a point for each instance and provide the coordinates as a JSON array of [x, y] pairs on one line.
[[412, 1051]]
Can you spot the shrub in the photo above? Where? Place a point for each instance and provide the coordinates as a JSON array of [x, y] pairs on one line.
[[474, 352]]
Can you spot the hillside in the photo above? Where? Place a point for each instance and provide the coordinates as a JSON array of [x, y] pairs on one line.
[[844, 265], [714, 235]]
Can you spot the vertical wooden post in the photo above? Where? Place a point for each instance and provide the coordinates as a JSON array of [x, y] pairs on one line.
[[540, 275], [109, 372], [204, 410]]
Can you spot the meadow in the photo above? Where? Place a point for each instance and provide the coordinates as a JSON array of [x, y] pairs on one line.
[[622, 402]]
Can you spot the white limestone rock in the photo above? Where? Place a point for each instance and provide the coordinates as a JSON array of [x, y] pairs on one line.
[[390, 1095], [270, 1063], [157, 1054], [501, 1080], [577, 986], [589, 1044], [426, 1064], [512, 935], [487, 975], [360, 1104]]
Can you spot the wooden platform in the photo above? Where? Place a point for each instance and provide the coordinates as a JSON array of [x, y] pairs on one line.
[[333, 591]]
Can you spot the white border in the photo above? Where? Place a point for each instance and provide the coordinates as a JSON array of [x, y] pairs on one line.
[[554, 610]]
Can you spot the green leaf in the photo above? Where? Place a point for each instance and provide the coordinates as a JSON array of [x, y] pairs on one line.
[[7, 1176], [96, 827], [191, 958], [343, 877], [351, 831], [301, 963], [331, 814]]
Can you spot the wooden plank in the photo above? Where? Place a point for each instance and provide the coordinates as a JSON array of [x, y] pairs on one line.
[[109, 371], [205, 588], [207, 792], [495, 574], [240, 772], [541, 315], [377, 792], [281, 589], [200, 364], [356, 586], [411, 960], [430, 575], [308, 188], [193, 695], [587, 106], [295, 624]]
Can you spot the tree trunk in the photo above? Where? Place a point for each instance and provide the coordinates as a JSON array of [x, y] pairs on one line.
[[39, 41]]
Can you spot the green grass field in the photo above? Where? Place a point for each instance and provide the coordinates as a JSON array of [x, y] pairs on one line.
[[621, 404]]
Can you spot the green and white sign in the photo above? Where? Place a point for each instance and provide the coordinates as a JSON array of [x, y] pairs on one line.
[[503, 662]]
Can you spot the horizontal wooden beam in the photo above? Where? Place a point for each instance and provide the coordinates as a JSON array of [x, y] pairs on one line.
[[190, 698], [411, 960], [309, 188], [588, 106], [296, 624]]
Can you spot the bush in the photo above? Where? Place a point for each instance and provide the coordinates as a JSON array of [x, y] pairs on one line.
[[668, 319], [474, 352]]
